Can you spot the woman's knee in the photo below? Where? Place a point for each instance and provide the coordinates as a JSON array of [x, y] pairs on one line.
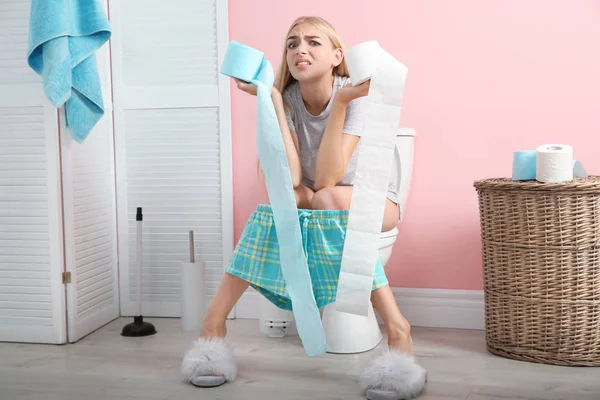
[[304, 197], [331, 198]]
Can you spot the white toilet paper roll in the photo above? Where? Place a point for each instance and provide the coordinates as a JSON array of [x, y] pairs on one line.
[[375, 155], [554, 163], [193, 295], [359, 60]]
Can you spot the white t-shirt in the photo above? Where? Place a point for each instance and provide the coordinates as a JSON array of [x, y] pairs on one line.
[[310, 129]]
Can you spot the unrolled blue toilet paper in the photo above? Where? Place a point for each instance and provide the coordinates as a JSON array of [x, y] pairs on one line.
[[524, 165], [250, 65]]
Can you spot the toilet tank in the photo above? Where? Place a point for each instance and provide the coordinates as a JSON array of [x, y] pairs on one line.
[[403, 165]]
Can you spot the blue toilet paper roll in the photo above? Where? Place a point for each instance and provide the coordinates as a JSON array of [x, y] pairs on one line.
[[245, 63], [524, 165], [250, 65]]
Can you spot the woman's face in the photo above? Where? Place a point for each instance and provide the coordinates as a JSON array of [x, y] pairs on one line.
[[310, 53]]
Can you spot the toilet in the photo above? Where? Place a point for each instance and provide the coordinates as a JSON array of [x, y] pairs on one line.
[[349, 333]]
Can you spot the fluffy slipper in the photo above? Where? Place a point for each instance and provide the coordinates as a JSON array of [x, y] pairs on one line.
[[209, 363], [393, 376]]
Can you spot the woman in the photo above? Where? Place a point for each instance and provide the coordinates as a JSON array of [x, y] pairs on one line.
[[321, 116]]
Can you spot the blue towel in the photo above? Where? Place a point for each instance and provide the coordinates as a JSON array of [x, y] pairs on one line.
[[63, 38]]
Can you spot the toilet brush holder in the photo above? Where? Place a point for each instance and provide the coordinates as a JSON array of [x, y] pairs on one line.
[[193, 291]]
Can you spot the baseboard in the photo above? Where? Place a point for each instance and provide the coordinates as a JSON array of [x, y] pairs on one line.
[[442, 308], [432, 308]]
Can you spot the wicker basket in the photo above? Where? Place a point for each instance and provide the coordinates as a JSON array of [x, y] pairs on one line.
[[541, 268]]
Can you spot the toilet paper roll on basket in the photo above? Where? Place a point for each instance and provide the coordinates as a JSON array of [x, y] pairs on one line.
[[554, 163], [193, 291], [524, 165], [549, 163]]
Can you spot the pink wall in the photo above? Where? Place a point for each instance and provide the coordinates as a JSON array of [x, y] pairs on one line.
[[518, 73]]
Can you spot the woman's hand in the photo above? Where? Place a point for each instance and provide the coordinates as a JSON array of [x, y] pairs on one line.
[[249, 88], [349, 92]]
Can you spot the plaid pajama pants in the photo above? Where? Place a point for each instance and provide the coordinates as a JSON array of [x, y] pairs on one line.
[[256, 256]]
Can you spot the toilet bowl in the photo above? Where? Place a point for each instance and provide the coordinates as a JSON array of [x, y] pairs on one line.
[[349, 333]]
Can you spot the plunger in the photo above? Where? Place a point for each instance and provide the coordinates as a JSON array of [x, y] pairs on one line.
[[138, 327]]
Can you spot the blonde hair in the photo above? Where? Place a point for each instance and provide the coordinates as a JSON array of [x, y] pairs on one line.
[[284, 77]]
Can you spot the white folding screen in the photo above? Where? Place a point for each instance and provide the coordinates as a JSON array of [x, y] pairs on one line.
[[173, 150], [32, 297], [57, 204], [59, 200], [91, 220]]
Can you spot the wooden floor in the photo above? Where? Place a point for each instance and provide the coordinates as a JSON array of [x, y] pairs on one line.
[[105, 365]]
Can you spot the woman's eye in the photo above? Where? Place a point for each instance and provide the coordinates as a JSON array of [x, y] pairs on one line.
[[291, 45], [315, 43]]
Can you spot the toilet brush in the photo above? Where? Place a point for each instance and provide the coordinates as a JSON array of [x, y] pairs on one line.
[[138, 327]]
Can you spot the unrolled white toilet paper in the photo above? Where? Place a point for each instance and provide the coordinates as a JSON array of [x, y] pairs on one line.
[[388, 76], [554, 163]]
